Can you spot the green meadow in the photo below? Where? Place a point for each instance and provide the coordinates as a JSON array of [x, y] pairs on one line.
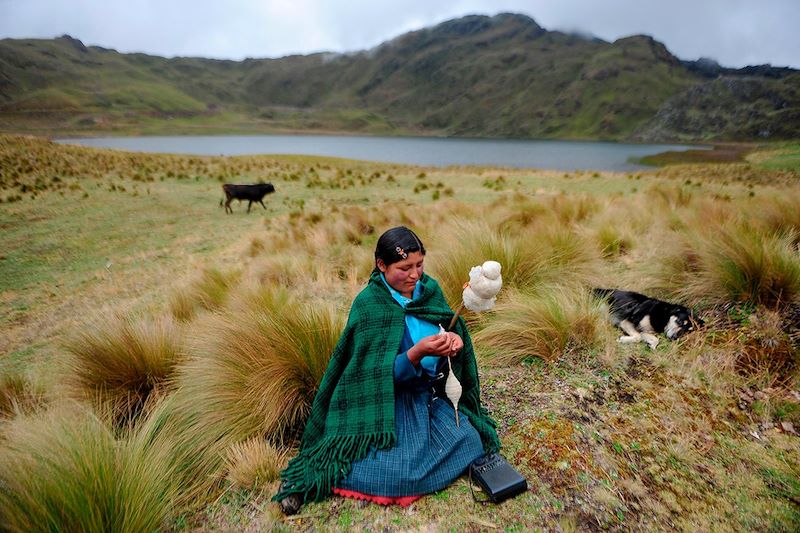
[[158, 357]]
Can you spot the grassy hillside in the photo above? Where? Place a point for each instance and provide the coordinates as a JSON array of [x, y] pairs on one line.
[[158, 357], [501, 76], [739, 108]]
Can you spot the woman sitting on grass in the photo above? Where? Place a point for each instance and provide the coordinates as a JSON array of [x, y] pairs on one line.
[[381, 428]]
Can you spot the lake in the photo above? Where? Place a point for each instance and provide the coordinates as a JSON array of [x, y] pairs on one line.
[[428, 151]]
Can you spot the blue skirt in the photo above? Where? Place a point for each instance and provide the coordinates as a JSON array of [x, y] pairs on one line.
[[431, 452]]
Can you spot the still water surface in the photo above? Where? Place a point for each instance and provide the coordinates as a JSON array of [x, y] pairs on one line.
[[433, 151]]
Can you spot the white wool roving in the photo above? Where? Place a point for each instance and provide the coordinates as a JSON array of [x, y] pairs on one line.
[[485, 282]]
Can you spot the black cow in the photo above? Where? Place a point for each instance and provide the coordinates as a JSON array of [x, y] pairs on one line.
[[251, 193]]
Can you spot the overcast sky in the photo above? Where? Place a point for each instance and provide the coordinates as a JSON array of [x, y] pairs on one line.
[[733, 32]]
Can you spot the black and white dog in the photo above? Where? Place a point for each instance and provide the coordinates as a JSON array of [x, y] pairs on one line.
[[642, 317]]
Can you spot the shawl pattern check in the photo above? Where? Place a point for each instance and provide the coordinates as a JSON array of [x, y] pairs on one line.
[[353, 409]]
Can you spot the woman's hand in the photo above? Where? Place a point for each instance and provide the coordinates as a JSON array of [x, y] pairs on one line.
[[446, 345]]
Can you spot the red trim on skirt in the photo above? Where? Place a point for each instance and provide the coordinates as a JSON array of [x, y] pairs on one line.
[[403, 501]]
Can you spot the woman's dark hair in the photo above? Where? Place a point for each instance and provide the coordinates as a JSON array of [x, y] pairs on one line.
[[395, 245]]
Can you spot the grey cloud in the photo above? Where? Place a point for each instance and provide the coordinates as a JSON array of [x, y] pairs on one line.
[[733, 32]]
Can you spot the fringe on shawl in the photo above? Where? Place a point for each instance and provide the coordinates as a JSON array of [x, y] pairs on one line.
[[315, 471]]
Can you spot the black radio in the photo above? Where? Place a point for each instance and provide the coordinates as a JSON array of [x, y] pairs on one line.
[[497, 477]]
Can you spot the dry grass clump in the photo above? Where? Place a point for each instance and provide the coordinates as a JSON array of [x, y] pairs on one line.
[[522, 214], [741, 264], [256, 247], [256, 371], [529, 258], [19, 395], [255, 462], [766, 354], [779, 213], [573, 209], [171, 435], [208, 291], [340, 273], [321, 266], [120, 360], [670, 196], [64, 470], [548, 324], [733, 262], [336, 251], [280, 270], [612, 240], [664, 268]]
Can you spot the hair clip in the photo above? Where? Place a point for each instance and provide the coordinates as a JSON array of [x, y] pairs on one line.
[[401, 252]]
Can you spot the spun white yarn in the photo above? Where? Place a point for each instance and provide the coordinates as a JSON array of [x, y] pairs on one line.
[[452, 387]]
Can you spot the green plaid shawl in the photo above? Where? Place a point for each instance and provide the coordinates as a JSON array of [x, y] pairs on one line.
[[354, 406]]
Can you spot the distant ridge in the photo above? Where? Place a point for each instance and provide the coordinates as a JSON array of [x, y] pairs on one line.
[[481, 76]]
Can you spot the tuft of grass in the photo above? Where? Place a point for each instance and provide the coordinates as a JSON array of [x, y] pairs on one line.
[[256, 371], [120, 360], [767, 356], [255, 462], [64, 470], [529, 258], [741, 264], [573, 209], [19, 395], [548, 324], [172, 433], [209, 291], [732, 262], [778, 213], [612, 242], [524, 214], [670, 196], [256, 247]]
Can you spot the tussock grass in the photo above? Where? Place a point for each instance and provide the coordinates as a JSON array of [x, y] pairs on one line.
[[664, 268], [722, 254], [256, 372], [336, 253], [281, 270], [316, 268], [767, 356], [209, 291], [778, 213], [120, 360], [524, 213], [253, 375], [64, 469], [173, 434], [548, 324], [573, 209], [613, 241], [528, 258], [741, 264], [670, 196], [256, 247], [255, 462], [19, 394]]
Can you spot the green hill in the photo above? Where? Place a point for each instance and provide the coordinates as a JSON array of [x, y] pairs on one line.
[[501, 76]]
